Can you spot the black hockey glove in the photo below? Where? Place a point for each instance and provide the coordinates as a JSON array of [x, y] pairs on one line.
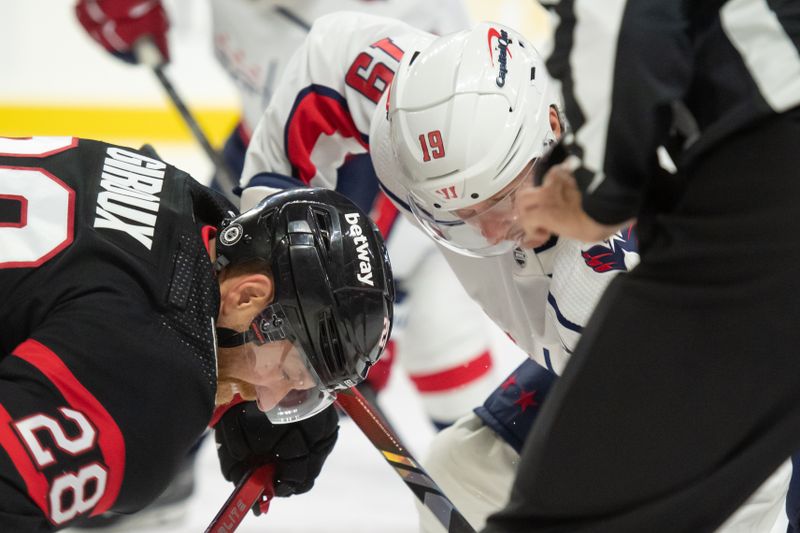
[[246, 438]]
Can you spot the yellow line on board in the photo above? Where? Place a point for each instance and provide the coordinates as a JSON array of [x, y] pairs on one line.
[[145, 124]]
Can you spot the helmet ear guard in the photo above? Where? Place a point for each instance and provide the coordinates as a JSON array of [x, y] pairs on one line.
[[332, 278]]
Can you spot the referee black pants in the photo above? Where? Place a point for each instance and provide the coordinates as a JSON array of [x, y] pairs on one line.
[[683, 395]]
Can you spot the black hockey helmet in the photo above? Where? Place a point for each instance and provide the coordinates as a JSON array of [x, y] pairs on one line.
[[333, 294]]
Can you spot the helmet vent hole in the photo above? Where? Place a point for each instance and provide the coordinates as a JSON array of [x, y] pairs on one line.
[[474, 195], [267, 220], [413, 57], [533, 73], [329, 341], [323, 221]]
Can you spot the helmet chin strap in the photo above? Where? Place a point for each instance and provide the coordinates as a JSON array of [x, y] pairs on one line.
[[229, 338]]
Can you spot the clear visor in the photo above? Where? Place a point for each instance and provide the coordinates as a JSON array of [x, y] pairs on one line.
[[287, 387], [487, 228]]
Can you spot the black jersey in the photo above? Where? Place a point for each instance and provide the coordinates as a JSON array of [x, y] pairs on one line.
[[634, 72], [107, 355]]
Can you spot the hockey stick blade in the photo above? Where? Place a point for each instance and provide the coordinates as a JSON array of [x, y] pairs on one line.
[[254, 487], [378, 431]]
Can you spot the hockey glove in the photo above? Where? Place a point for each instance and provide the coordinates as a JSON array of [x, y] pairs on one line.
[[246, 438], [119, 24]]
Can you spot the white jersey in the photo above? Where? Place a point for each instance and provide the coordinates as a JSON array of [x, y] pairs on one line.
[[254, 39], [542, 298]]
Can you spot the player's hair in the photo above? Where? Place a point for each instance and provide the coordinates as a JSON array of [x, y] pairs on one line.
[[245, 267]]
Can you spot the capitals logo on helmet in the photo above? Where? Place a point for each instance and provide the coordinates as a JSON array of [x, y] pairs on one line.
[[618, 252]]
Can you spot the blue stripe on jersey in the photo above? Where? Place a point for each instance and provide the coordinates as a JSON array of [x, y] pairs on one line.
[[274, 181], [547, 360], [561, 318], [233, 153], [552, 241], [356, 179]]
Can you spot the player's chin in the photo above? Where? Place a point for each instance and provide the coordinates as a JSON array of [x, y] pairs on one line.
[[266, 399], [227, 388]]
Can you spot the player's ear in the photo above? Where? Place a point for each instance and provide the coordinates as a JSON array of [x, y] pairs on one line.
[[242, 297], [555, 122], [253, 291]]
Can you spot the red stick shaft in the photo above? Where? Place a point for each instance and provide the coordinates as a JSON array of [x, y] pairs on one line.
[[255, 486]]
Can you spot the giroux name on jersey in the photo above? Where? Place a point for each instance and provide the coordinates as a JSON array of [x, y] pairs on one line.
[[128, 200]]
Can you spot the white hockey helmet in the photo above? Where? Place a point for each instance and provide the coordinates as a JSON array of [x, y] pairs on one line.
[[467, 114]]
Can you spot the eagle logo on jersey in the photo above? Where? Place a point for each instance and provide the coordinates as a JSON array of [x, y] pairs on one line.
[[612, 253]]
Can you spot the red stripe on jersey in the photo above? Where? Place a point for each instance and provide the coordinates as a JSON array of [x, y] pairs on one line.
[[380, 372], [316, 114], [222, 409], [244, 133], [207, 233], [35, 482], [454, 377], [112, 444], [384, 213]]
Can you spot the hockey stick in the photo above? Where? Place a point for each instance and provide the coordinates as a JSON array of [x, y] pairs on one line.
[[147, 53], [378, 431], [254, 487], [294, 19], [257, 485]]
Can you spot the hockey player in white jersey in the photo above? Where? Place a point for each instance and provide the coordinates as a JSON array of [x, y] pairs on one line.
[[449, 361], [455, 126]]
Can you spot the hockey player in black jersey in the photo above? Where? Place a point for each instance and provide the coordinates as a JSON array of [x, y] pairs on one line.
[[119, 278]]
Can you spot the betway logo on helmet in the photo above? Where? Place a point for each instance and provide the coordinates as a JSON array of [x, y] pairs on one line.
[[362, 247], [502, 44]]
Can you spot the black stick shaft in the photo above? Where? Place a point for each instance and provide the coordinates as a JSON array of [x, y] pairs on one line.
[[378, 431], [223, 175], [148, 54]]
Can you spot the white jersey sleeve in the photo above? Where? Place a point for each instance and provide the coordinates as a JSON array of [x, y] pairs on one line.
[[320, 113]]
